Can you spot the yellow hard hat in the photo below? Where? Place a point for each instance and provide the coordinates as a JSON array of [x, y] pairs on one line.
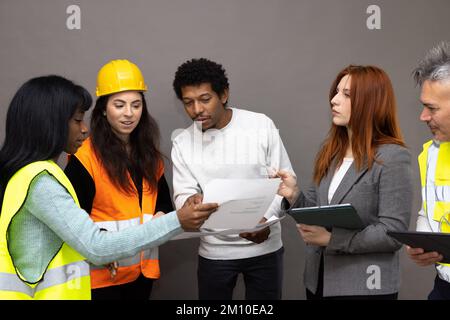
[[118, 76]]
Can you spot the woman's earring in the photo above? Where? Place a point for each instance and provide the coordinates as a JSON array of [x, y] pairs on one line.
[[104, 113]]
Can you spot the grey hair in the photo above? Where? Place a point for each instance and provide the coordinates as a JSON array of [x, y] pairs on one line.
[[435, 66]]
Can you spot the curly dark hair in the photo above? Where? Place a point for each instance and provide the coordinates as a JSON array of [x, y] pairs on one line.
[[198, 71]]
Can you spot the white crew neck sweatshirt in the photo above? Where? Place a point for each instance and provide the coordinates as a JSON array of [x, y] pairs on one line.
[[243, 149]]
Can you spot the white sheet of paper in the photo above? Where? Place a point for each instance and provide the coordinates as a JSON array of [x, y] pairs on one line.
[[194, 234], [197, 234], [242, 202], [258, 227]]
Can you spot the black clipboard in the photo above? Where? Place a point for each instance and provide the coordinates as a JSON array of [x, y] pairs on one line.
[[428, 241], [338, 216]]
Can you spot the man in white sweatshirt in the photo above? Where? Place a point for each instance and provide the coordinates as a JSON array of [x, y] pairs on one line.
[[226, 142], [433, 75]]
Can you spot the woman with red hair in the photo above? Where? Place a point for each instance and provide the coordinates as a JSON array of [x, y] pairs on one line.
[[363, 161]]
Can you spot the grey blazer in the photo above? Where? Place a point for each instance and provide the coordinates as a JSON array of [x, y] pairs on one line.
[[363, 262]]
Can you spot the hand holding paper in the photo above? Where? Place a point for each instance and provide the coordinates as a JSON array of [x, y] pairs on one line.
[[288, 187], [243, 202], [257, 236], [196, 234], [194, 199], [192, 216]]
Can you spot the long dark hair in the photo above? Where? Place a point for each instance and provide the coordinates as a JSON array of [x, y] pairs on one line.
[[37, 123], [145, 158]]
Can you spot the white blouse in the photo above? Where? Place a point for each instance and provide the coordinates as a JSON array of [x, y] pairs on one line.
[[338, 176]]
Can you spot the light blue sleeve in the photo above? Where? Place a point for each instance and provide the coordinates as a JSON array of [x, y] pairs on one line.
[[49, 202]]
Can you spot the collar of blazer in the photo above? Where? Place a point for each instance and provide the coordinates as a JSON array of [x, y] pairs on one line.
[[350, 178]]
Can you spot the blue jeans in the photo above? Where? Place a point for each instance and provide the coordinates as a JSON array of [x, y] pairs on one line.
[[263, 277]]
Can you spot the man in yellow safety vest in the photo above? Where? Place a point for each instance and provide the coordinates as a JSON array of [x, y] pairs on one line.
[[433, 75]]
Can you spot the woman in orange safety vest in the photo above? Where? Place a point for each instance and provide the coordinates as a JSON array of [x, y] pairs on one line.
[[118, 176]]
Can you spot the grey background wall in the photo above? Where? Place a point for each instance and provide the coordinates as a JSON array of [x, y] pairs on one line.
[[281, 57]]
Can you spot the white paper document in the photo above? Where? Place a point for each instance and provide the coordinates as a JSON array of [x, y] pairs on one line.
[[203, 232], [242, 204]]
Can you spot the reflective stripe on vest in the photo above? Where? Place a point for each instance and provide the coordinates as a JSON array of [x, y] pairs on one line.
[[441, 193], [67, 275], [53, 277], [151, 254]]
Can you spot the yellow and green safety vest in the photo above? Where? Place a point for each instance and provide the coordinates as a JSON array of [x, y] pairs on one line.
[[440, 205], [67, 275]]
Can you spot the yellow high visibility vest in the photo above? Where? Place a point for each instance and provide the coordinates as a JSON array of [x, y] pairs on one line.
[[67, 275], [441, 203], [442, 179]]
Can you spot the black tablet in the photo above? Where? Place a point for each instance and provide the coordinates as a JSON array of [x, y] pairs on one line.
[[428, 241], [338, 216]]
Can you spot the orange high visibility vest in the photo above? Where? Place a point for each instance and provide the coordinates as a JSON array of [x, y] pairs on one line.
[[114, 210]]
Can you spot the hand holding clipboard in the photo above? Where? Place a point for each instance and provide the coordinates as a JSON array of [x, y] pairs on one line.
[[425, 248], [338, 216]]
